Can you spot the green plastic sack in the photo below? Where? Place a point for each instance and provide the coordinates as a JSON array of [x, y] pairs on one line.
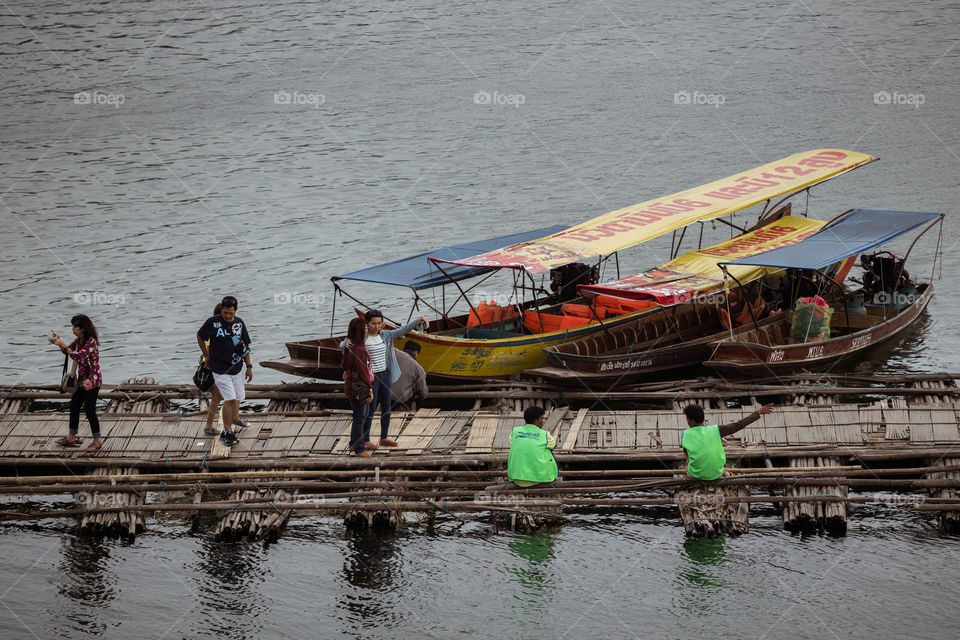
[[811, 322]]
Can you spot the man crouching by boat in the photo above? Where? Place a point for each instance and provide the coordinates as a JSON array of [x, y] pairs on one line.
[[531, 460], [703, 444]]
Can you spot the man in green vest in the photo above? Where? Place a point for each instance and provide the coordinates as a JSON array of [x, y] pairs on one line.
[[531, 458], [702, 444]]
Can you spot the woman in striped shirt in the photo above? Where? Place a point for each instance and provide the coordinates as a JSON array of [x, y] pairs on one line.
[[379, 344]]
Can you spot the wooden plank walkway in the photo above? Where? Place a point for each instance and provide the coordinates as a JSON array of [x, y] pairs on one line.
[[430, 431]]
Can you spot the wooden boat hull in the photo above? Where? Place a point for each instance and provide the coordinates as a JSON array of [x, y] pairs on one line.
[[305, 369], [312, 359], [638, 351], [749, 359]]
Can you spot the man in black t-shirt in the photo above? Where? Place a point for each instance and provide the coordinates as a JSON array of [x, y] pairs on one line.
[[229, 349]]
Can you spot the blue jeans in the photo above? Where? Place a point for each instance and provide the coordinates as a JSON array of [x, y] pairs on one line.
[[360, 429], [381, 395]]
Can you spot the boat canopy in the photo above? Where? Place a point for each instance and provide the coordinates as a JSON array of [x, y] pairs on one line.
[[641, 222], [697, 272], [419, 273], [852, 232]]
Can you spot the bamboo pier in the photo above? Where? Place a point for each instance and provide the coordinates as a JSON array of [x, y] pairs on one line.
[[829, 446]]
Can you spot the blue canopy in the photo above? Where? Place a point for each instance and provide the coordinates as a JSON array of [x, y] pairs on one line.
[[854, 232], [419, 273]]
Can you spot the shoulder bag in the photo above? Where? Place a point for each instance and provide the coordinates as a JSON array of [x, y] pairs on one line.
[[359, 387], [68, 381]]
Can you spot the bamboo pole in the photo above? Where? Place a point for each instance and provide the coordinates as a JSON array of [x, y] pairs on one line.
[[298, 473], [762, 474], [715, 392], [571, 487], [867, 454], [457, 505]]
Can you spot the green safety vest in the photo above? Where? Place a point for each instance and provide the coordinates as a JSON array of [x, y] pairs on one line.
[[530, 459], [705, 452]]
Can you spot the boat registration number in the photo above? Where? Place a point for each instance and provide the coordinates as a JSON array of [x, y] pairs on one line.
[[862, 341], [630, 364], [776, 356]]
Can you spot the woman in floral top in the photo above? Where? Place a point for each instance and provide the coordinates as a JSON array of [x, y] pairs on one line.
[[84, 350]]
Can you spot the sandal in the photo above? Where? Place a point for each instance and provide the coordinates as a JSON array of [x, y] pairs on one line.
[[94, 446], [211, 432], [69, 443]]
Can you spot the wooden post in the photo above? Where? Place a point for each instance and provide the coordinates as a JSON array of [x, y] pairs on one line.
[[703, 512], [816, 517], [126, 523], [949, 520]]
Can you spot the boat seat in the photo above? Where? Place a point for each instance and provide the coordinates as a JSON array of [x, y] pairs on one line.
[[584, 311], [619, 306], [487, 312], [551, 322]]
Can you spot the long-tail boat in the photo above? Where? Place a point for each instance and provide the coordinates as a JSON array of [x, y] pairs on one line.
[[888, 302], [320, 357], [494, 343], [696, 312]]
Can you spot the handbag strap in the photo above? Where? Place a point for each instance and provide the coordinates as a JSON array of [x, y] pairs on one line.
[[353, 355], [73, 370]]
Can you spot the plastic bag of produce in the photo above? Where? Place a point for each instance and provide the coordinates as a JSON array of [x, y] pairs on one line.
[[811, 320]]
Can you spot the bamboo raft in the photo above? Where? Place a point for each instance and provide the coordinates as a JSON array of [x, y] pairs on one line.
[[809, 454]]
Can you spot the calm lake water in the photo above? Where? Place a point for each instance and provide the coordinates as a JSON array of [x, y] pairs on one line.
[[160, 155]]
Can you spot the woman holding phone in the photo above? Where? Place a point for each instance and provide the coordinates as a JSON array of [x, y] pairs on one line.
[[85, 351]]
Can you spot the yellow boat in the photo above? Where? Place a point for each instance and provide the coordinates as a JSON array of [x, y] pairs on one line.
[[500, 345]]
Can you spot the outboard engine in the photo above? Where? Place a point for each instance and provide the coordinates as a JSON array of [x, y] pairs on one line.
[[885, 281], [564, 279]]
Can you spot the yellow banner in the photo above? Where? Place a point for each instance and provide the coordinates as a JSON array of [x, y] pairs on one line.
[[641, 222], [696, 272], [785, 231]]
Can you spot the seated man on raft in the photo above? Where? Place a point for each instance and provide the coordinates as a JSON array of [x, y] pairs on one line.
[[531, 460], [703, 444]]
